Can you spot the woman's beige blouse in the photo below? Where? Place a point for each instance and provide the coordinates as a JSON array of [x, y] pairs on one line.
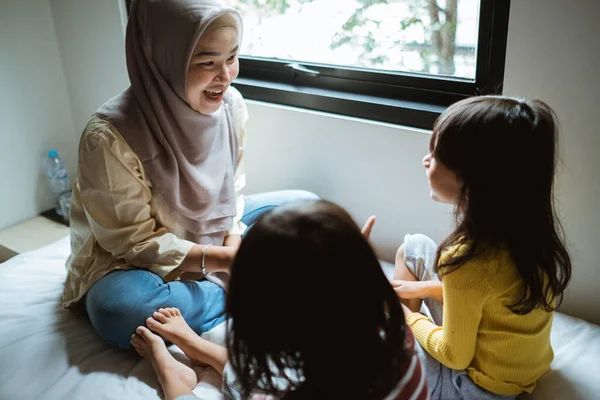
[[116, 220]]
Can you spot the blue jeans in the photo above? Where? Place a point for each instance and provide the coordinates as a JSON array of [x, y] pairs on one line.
[[121, 301]]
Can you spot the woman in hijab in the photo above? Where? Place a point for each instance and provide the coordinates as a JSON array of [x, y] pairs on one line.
[[157, 214]]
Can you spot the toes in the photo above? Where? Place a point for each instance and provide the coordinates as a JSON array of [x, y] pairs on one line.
[[164, 311], [138, 344], [136, 341], [145, 333], [152, 323], [160, 317], [173, 312]]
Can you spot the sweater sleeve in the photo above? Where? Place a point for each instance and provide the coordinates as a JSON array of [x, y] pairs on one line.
[[453, 344], [116, 200]]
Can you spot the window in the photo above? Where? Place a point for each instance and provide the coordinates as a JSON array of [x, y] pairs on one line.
[[422, 36], [398, 61]]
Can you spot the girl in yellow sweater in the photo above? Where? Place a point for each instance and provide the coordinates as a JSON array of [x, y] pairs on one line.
[[481, 303]]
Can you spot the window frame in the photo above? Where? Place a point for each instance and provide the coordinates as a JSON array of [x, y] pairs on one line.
[[403, 98]]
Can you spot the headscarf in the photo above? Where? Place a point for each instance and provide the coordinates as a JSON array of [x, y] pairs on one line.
[[189, 157]]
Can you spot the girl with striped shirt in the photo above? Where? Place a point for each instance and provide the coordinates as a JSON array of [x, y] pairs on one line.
[[312, 318]]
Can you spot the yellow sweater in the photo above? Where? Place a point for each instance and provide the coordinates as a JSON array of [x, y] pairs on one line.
[[502, 352]]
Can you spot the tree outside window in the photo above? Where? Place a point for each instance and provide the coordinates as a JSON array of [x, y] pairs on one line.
[[437, 37]]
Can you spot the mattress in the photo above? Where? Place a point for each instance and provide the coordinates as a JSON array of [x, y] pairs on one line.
[[49, 353]]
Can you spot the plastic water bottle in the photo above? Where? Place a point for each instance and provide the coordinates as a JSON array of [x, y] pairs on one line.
[[59, 182]]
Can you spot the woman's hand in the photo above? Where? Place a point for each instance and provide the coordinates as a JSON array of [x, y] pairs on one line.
[[418, 289], [217, 259], [233, 241]]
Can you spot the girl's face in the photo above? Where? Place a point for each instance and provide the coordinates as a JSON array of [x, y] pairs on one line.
[[444, 185], [214, 64]]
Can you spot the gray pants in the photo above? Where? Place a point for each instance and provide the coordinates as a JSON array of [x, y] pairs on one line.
[[444, 383]]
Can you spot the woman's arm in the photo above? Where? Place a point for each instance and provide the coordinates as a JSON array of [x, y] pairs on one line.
[[116, 201], [217, 259], [233, 240]]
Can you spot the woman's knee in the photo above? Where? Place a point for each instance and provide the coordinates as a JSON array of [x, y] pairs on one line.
[[117, 304], [116, 321]]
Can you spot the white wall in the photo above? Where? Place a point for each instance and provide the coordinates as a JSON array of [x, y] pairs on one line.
[[553, 54], [367, 167], [34, 108], [91, 40]]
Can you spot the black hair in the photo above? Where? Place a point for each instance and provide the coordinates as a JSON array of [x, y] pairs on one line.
[[313, 315], [503, 152]]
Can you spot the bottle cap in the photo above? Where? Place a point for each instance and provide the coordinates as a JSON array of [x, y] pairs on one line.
[[53, 153]]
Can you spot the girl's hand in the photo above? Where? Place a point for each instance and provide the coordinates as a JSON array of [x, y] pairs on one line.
[[419, 289], [410, 289], [366, 230]]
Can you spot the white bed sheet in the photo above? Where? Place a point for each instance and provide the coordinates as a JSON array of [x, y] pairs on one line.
[[49, 353]]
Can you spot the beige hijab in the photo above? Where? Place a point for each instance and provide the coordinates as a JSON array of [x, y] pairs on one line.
[[189, 157]]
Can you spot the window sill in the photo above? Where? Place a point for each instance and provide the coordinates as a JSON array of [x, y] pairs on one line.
[[399, 112]]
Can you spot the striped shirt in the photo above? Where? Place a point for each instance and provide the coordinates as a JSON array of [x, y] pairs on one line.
[[412, 385]]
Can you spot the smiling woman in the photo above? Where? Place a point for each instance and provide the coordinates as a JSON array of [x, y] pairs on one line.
[[157, 212]]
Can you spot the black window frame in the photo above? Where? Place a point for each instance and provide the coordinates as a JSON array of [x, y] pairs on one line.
[[403, 98]]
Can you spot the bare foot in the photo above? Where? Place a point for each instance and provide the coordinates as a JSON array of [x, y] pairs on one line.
[[174, 377], [169, 323]]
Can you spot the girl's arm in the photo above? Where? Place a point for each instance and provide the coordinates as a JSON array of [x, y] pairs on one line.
[[435, 290], [464, 295], [204, 352]]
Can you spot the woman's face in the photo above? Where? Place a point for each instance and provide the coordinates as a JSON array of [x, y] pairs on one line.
[[214, 64]]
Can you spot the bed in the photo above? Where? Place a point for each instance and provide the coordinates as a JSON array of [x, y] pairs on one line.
[[49, 353]]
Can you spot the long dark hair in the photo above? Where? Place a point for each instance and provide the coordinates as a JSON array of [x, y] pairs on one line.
[[503, 151], [313, 316]]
